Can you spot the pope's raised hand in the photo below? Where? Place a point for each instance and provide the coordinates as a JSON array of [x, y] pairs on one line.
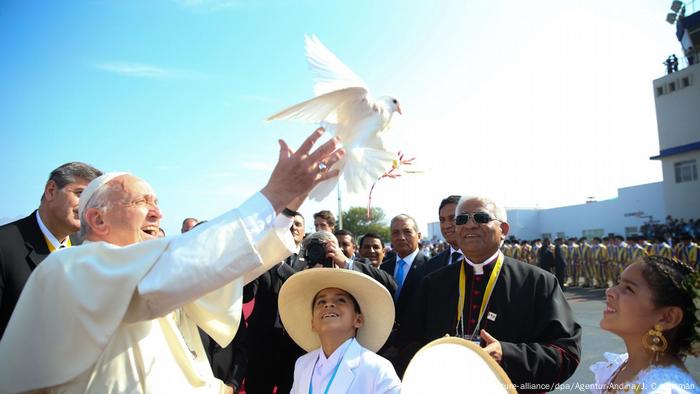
[[298, 172]]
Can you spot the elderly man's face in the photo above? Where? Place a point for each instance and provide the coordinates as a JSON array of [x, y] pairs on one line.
[[373, 250], [404, 237], [479, 241], [297, 229], [134, 215], [63, 203], [447, 223]]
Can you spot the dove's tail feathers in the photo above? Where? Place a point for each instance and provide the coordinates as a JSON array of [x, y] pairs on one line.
[[319, 108], [329, 72], [364, 166]]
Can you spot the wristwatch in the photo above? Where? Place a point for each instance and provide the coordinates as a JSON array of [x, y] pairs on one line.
[[289, 213]]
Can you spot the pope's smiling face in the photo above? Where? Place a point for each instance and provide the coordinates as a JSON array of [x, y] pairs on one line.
[[335, 312], [133, 214]]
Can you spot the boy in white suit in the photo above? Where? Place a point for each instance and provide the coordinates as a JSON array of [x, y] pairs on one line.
[[341, 317]]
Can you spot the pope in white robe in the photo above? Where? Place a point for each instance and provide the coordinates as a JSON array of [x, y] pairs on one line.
[[119, 314]]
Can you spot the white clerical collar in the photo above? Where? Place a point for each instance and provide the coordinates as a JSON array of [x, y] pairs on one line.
[[479, 268], [50, 237]]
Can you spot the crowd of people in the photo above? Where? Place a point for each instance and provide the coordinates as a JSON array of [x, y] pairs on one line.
[[248, 301]]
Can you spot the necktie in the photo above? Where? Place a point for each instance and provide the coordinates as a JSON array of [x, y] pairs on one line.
[[455, 257], [399, 277]]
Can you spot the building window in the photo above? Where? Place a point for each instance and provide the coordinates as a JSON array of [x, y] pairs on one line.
[[596, 232], [630, 231], [659, 91], [685, 82], [672, 87], [686, 171]]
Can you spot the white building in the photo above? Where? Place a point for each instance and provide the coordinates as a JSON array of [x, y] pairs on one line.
[[677, 97]]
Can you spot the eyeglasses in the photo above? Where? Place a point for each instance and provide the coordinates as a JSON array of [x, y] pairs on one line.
[[479, 217], [146, 201]]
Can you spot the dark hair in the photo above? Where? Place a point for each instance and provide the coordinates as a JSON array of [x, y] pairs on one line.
[[371, 235], [70, 172], [327, 216], [355, 304], [186, 219], [340, 232], [665, 278], [453, 199]]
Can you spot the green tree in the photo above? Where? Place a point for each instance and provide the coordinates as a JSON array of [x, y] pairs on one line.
[[355, 220]]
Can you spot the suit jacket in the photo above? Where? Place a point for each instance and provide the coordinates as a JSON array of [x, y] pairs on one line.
[[541, 342], [397, 349], [546, 259], [410, 285], [361, 371], [441, 260], [22, 248], [230, 363], [271, 352], [363, 265], [296, 262]]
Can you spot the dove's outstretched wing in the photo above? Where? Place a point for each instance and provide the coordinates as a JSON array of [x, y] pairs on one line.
[[329, 72], [323, 107]]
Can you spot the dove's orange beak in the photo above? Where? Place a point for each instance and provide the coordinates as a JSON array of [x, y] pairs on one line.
[[398, 109]]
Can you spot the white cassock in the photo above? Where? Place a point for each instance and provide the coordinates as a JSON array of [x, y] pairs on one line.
[[99, 318]]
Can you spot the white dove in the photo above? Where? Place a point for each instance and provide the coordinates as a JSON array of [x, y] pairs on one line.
[[344, 106]]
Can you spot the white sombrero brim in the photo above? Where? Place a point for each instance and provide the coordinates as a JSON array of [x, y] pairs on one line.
[[296, 297], [445, 364]]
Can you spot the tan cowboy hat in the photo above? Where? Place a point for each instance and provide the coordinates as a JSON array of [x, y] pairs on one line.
[[445, 364], [298, 292]]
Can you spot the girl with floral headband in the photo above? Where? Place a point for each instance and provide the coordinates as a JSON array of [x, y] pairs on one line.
[[654, 309]]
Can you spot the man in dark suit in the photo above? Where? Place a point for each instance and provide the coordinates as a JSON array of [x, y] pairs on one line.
[[524, 322], [545, 258], [446, 215], [26, 242], [295, 260], [408, 269], [271, 353]]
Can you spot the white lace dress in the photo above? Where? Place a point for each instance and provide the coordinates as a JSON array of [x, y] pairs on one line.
[[653, 380]]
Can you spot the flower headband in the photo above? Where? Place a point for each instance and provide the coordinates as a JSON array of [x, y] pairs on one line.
[[686, 279]]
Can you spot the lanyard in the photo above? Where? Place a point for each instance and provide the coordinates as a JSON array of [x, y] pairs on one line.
[[487, 294], [335, 370]]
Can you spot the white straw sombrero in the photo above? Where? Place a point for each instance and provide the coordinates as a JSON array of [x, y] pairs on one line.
[[445, 365], [296, 297]]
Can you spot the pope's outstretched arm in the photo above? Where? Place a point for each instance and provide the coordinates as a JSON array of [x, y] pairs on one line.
[[79, 316]]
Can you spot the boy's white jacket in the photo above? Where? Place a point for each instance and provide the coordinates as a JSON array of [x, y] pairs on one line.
[[361, 371]]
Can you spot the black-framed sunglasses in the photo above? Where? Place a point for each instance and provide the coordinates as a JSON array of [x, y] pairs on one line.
[[479, 217]]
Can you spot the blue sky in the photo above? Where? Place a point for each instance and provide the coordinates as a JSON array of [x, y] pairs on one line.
[[535, 103]]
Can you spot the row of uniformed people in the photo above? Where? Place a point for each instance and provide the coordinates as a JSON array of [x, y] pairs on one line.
[[600, 262]]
